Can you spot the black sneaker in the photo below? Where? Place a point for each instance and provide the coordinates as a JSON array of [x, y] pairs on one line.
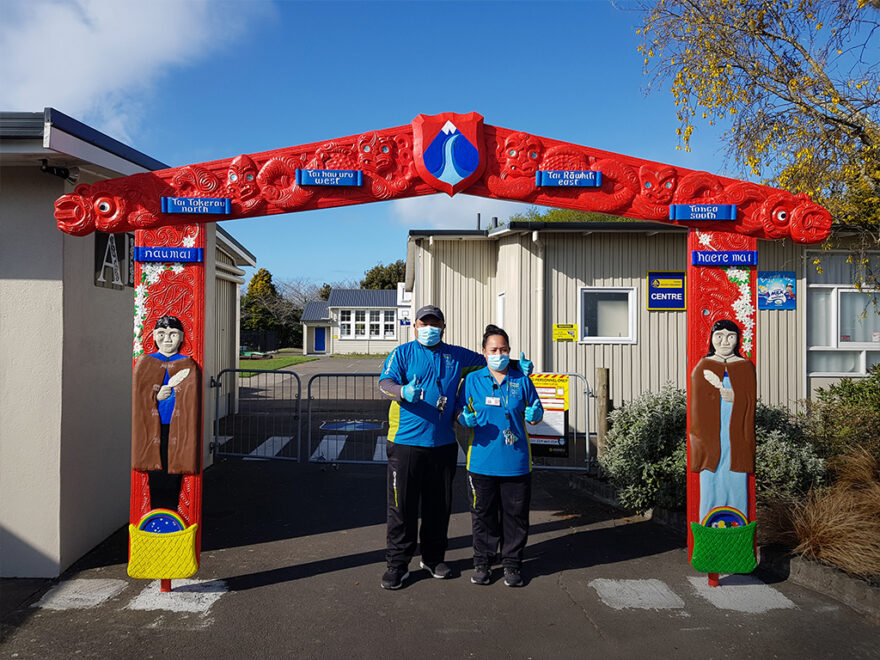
[[512, 578], [481, 575], [440, 571], [394, 577]]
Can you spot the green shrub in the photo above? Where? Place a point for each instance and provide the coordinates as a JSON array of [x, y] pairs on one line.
[[645, 456], [645, 450]]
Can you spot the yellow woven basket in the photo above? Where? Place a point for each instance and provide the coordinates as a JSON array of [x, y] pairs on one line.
[[162, 556]]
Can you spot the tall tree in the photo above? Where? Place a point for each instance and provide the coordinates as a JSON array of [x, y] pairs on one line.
[[384, 277], [798, 81], [259, 304]]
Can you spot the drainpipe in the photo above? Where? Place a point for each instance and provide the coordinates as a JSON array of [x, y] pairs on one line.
[[540, 364]]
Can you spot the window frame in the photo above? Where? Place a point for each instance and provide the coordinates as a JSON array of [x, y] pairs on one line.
[[632, 316], [859, 349]]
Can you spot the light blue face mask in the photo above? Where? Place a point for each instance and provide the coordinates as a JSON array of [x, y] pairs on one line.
[[498, 362], [429, 335]]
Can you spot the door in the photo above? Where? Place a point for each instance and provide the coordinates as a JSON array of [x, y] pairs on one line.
[[319, 340]]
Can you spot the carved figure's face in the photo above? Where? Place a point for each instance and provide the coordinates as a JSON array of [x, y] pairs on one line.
[[375, 152], [168, 340], [521, 155], [658, 186], [724, 342], [242, 177]]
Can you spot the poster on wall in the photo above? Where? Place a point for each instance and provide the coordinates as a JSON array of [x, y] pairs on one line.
[[777, 289], [549, 437]]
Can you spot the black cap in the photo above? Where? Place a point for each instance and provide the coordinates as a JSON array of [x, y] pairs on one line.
[[429, 310]]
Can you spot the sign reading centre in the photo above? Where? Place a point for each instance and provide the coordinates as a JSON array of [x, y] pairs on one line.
[[666, 290]]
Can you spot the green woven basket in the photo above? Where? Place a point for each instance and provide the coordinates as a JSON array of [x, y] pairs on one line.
[[724, 549]]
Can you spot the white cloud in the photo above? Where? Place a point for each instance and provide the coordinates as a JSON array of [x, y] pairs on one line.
[[96, 60], [458, 212]]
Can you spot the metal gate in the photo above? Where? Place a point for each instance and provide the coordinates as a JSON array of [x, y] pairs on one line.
[[257, 414], [260, 416]]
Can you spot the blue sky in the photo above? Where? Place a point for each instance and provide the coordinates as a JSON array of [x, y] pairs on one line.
[[199, 80]]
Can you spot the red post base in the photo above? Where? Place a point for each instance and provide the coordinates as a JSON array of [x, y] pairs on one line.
[[713, 579], [165, 585]]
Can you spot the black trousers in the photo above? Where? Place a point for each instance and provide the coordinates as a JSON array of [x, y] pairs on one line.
[[500, 517], [164, 487], [419, 478]]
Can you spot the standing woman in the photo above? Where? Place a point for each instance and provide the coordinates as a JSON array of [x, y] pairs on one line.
[[495, 402]]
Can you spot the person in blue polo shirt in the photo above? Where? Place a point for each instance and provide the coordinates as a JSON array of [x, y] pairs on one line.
[[495, 402], [422, 378]]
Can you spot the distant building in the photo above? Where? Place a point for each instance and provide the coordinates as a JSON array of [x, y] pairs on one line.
[[371, 321], [66, 315]]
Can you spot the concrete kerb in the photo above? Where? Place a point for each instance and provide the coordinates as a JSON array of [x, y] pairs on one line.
[[773, 563]]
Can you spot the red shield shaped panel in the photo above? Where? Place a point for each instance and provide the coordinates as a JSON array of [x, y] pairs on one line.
[[449, 150]]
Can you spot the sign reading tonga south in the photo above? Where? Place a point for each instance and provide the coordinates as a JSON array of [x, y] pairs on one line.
[[549, 437], [702, 211], [565, 332], [666, 290], [777, 289], [329, 177], [197, 205], [576, 178]]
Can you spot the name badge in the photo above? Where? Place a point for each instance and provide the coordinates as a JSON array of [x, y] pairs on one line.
[[493, 400]]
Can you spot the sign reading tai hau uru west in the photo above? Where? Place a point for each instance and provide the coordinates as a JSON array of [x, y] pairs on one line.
[[452, 153]]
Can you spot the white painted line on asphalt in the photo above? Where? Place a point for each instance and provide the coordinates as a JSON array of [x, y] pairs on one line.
[[741, 593], [637, 594], [462, 459], [330, 448], [185, 596], [381, 453], [222, 440], [80, 593], [271, 447]]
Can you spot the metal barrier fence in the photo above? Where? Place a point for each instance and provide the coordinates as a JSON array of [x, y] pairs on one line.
[[347, 420], [257, 414]]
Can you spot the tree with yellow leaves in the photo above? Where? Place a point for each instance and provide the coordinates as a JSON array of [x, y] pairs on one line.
[[797, 83]]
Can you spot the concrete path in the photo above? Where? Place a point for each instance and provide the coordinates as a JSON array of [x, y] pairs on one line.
[[292, 558]]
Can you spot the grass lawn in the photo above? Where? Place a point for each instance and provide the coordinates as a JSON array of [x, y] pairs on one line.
[[270, 364]]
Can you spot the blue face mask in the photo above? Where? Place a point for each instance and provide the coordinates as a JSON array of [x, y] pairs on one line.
[[498, 362], [429, 335]]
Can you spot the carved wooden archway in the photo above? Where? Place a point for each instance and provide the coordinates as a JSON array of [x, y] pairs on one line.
[[448, 153]]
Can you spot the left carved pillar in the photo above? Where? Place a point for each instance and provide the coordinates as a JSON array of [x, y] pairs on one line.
[[168, 354]]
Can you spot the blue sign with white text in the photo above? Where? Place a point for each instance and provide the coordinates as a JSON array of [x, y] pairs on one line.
[[196, 205], [702, 211], [329, 178], [665, 290], [725, 258], [178, 254], [576, 178]]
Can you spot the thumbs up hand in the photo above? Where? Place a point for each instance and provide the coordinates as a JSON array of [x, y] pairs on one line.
[[534, 414], [525, 366], [411, 391]]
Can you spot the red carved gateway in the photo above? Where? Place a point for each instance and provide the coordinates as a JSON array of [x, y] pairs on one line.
[[454, 153]]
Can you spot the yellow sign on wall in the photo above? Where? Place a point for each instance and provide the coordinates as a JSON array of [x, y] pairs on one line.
[[565, 332]]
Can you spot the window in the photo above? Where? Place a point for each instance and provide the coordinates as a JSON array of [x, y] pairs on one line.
[[345, 323], [375, 323], [360, 325], [390, 324], [843, 328], [607, 315]]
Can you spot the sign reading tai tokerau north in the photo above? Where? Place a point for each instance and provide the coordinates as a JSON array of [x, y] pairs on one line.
[[447, 153]]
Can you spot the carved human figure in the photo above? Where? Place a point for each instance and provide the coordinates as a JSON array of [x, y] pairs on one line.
[[166, 411], [722, 422]]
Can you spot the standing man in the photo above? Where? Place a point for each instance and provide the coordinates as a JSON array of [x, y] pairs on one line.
[[422, 378]]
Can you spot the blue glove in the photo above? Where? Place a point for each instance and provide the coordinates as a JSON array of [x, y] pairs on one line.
[[468, 419], [534, 413], [525, 366], [411, 391]]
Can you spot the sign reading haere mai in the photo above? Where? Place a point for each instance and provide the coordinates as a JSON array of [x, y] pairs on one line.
[[725, 258]]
